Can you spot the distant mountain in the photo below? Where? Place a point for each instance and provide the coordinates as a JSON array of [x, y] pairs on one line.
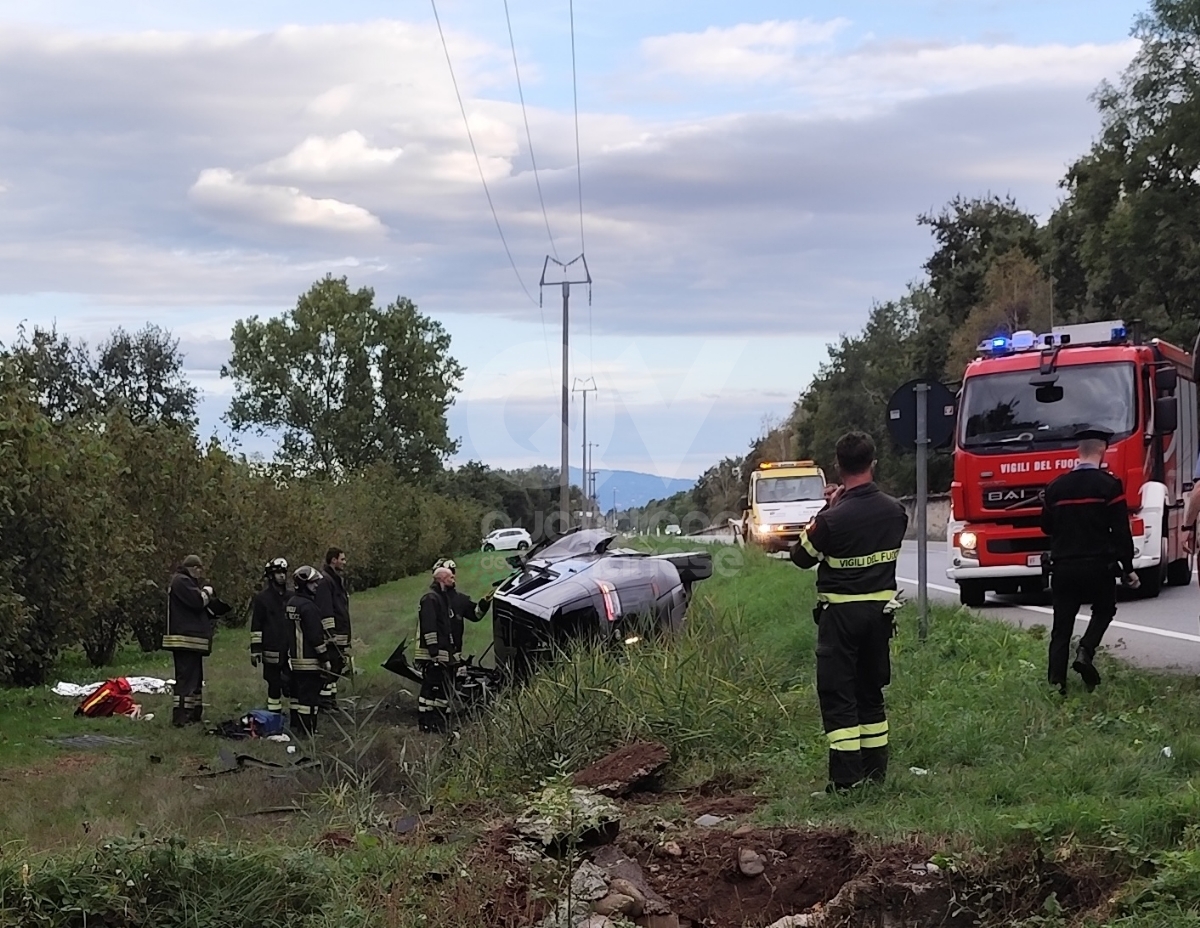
[[631, 487]]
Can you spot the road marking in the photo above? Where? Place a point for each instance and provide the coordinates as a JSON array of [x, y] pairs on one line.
[[1128, 626]]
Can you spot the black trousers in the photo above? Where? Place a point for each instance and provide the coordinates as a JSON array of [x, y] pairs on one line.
[[189, 688], [306, 700], [1071, 587], [278, 682], [853, 666], [433, 704]]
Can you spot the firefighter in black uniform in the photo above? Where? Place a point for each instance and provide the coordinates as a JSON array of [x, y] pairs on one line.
[[188, 635], [1086, 515], [310, 656], [854, 544], [462, 608], [333, 597], [270, 631], [435, 654]]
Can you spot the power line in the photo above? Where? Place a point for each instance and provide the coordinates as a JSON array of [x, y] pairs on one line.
[[528, 135], [579, 175], [475, 152]]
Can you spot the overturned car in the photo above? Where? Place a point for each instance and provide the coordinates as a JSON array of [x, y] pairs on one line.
[[579, 588]]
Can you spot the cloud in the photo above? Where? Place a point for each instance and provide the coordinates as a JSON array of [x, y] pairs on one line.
[[222, 193], [345, 157], [747, 52], [157, 170]]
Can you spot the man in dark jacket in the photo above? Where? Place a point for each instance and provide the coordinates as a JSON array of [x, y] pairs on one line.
[[1086, 515], [854, 543], [333, 598], [462, 608], [269, 633], [311, 657], [435, 655], [188, 635]]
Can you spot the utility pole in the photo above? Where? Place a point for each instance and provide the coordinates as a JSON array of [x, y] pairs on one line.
[[584, 482], [564, 476]]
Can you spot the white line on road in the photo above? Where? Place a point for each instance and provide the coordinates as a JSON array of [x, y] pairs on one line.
[[1128, 626]]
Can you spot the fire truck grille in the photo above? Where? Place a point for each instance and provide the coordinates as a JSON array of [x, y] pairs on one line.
[[1018, 545], [1012, 497]]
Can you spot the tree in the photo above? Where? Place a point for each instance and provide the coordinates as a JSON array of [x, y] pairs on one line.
[[347, 383], [144, 374], [1128, 233], [57, 372]]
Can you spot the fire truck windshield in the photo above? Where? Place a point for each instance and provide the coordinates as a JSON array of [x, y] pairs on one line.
[[788, 489], [1002, 410]]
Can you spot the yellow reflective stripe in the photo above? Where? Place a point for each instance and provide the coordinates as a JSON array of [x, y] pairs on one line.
[[328, 623], [185, 642], [881, 596], [844, 739], [256, 637], [304, 663], [867, 560], [874, 735], [808, 546]]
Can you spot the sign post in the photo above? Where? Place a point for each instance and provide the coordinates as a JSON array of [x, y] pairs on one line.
[[922, 438], [912, 425]]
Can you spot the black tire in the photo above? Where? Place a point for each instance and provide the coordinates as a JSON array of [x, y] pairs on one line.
[[972, 593], [489, 547], [522, 545], [1150, 582], [1179, 573]]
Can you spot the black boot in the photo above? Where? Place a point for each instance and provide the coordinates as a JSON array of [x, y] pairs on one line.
[[875, 763], [1085, 668]]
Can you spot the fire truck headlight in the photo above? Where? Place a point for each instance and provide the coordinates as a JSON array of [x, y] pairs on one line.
[[968, 542]]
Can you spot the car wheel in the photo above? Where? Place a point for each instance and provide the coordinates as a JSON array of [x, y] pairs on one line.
[[522, 545], [489, 547], [972, 593]]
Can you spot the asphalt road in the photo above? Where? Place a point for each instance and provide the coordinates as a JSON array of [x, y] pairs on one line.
[[1161, 633]]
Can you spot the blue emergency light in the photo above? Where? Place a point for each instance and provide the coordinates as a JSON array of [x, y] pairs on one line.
[[999, 343]]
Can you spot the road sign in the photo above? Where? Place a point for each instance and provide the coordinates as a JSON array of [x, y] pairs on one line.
[[902, 414]]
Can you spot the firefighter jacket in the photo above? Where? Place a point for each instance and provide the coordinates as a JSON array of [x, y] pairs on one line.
[[436, 622], [334, 600], [854, 545], [463, 607], [189, 626], [307, 648], [270, 627], [1087, 519]]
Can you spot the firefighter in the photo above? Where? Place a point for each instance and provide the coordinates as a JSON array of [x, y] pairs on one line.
[[188, 635], [269, 633], [435, 654], [333, 597], [1087, 518], [311, 657], [854, 543], [462, 608]]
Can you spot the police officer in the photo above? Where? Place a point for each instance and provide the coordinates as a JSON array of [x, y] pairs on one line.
[[462, 608], [435, 655], [854, 543], [188, 635], [311, 657], [1086, 515], [333, 598], [269, 628]]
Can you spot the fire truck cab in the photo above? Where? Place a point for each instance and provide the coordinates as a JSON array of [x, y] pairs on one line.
[[1022, 400]]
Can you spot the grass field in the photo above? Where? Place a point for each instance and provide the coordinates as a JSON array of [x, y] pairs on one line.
[[987, 761]]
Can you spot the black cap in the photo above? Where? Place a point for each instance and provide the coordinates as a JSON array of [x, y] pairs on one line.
[[1094, 434]]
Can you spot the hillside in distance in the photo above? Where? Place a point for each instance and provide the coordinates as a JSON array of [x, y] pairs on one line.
[[632, 488]]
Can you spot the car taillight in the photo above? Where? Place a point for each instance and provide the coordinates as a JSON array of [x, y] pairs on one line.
[[606, 590], [1137, 528]]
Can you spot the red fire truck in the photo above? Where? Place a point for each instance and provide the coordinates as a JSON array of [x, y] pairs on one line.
[[1021, 402]]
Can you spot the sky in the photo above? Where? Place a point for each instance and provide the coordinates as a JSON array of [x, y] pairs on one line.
[[750, 177]]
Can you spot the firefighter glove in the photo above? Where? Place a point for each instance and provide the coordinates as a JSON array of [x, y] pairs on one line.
[[255, 659]]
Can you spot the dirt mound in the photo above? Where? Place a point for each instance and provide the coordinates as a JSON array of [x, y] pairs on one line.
[[723, 806], [705, 885], [633, 767]]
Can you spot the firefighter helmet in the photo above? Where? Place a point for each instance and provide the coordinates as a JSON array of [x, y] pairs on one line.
[[447, 563], [305, 575], [278, 565]]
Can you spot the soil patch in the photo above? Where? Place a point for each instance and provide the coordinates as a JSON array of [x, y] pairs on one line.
[[705, 886], [512, 900], [723, 806], [634, 767]]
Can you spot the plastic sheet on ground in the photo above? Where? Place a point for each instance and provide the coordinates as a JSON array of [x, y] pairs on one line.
[[151, 685]]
